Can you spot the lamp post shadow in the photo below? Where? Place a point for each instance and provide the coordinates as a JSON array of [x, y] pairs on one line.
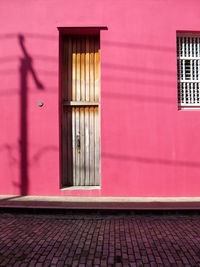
[[26, 66]]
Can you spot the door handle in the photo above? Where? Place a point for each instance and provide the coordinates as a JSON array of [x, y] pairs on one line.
[[78, 143]]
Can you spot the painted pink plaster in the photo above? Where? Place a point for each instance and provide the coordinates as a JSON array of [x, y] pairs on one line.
[[149, 148]]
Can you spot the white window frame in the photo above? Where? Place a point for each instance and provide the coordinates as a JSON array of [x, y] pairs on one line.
[[188, 70]]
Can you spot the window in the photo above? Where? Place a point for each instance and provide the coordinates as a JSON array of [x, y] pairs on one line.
[[188, 69], [80, 109]]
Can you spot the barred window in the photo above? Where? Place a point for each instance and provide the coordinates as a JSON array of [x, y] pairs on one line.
[[188, 69]]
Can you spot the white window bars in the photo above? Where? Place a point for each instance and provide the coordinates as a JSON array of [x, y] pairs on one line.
[[188, 69]]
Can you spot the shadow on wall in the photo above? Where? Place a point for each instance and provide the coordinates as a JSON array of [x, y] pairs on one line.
[[158, 77], [155, 161], [18, 154], [26, 66], [139, 46]]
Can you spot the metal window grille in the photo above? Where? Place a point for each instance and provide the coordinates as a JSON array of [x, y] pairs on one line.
[[188, 69]]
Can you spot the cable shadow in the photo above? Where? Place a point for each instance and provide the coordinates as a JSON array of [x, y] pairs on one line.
[[140, 98], [139, 46], [129, 80], [192, 164], [132, 68], [29, 35]]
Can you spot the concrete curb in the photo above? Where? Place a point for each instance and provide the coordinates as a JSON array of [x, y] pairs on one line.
[[46, 202]]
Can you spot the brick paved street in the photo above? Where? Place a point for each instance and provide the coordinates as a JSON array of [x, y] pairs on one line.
[[99, 240]]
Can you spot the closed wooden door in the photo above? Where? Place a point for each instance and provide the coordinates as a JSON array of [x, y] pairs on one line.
[[80, 96]]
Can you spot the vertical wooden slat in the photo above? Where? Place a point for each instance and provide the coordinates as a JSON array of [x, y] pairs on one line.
[[97, 147], [69, 70], [74, 70], [73, 109], [97, 69], [91, 111], [83, 68], [91, 68], [78, 93], [74, 144], [87, 70], [82, 150], [69, 162], [77, 150], [87, 97], [78, 69], [69, 114], [92, 148], [87, 151]]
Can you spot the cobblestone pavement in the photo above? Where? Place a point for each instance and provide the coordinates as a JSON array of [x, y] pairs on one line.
[[99, 240]]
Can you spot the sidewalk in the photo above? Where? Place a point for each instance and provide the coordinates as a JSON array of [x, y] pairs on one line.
[[99, 203]]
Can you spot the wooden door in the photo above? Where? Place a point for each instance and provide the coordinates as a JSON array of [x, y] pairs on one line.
[[80, 86]]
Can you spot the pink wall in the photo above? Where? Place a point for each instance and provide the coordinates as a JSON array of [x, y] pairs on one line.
[[149, 148]]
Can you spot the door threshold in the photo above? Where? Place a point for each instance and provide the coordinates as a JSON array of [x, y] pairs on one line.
[[82, 187]]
